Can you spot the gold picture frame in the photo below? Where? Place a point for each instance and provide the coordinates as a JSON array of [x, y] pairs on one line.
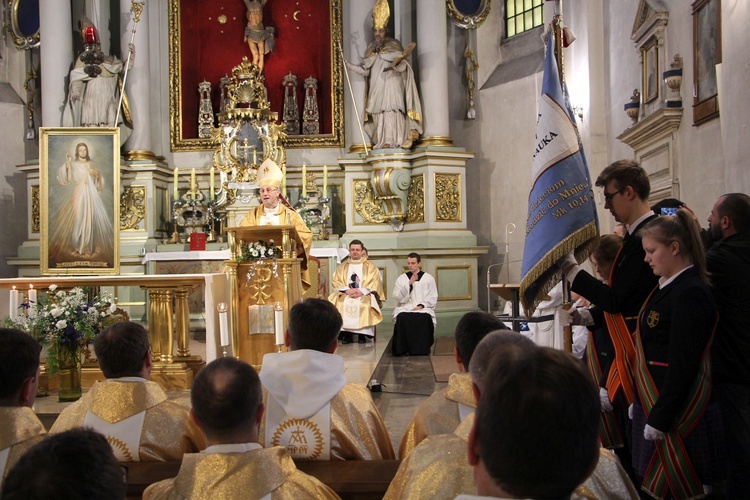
[[80, 201], [22, 23], [303, 18], [706, 55], [650, 71]]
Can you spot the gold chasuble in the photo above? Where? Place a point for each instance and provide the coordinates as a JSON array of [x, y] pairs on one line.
[[163, 429], [438, 468], [363, 312], [441, 413], [280, 217], [255, 474], [20, 430]]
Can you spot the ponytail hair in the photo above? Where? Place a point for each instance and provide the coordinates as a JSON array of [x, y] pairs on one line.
[[683, 229]]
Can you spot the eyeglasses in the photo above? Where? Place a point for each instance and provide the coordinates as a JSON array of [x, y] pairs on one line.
[[608, 196]]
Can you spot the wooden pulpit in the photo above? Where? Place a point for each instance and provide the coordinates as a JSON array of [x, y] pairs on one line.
[[260, 283]]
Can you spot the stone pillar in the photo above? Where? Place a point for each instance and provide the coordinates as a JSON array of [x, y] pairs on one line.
[[360, 29], [56, 52], [138, 146], [432, 48]]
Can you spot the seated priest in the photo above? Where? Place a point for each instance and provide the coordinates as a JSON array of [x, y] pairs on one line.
[[273, 212], [134, 413], [311, 410], [446, 455], [228, 408], [77, 464], [446, 408], [358, 292], [19, 376], [416, 295]]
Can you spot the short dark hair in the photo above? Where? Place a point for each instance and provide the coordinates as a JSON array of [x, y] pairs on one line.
[[314, 324], [356, 242], [736, 206], [483, 354], [472, 328], [19, 360], [121, 349], [225, 396], [414, 255], [537, 422], [606, 252], [626, 173], [75, 464]]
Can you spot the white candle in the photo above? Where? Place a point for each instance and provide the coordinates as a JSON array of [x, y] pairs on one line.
[[304, 181], [223, 323], [13, 307], [211, 184], [278, 319], [174, 186], [32, 294], [192, 183], [325, 181], [283, 180]]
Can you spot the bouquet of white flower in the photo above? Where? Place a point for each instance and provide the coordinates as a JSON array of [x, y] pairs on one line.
[[66, 319]]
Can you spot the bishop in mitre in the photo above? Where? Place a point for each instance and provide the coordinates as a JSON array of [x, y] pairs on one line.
[[271, 212]]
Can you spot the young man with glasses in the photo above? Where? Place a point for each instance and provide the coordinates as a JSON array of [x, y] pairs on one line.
[[626, 188]]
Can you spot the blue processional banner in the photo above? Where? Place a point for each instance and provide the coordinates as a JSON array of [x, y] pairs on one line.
[[561, 213]]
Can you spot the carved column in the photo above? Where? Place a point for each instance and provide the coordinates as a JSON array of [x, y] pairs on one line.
[[182, 321], [154, 324], [432, 47], [56, 53], [138, 87]]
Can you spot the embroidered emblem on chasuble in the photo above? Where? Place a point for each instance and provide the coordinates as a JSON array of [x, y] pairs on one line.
[[124, 436], [653, 319], [304, 438]]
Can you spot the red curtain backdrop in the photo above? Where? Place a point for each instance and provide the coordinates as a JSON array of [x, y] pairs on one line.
[[209, 50]]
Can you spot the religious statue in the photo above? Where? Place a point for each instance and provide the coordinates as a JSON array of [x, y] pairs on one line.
[[259, 39], [95, 85], [393, 112]]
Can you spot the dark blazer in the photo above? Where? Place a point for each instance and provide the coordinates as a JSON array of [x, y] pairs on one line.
[[633, 280], [675, 328]]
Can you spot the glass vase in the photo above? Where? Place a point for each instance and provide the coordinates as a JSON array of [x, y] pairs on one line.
[[69, 371]]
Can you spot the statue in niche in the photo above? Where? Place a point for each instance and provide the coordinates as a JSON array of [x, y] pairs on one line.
[[393, 112], [95, 83], [258, 38]]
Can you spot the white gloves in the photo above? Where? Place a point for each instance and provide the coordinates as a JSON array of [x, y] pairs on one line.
[[604, 398], [575, 316], [567, 262], [650, 434], [630, 412]]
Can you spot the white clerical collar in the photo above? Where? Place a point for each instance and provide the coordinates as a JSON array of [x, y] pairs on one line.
[[231, 448], [127, 379], [271, 210], [634, 225], [664, 282]]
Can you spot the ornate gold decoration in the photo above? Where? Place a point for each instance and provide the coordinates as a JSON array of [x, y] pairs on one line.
[[335, 138], [262, 272], [35, 209], [471, 66], [132, 207], [365, 203], [140, 155], [471, 20], [415, 203], [306, 435], [117, 443], [436, 140], [20, 39], [448, 197]]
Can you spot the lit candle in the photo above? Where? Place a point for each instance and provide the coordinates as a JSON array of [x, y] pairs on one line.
[[32, 294], [325, 181], [175, 182], [283, 180], [278, 319], [223, 323], [304, 181], [211, 185], [13, 312], [192, 183], [255, 155]]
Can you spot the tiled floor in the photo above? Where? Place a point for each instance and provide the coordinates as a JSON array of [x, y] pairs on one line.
[[406, 380]]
